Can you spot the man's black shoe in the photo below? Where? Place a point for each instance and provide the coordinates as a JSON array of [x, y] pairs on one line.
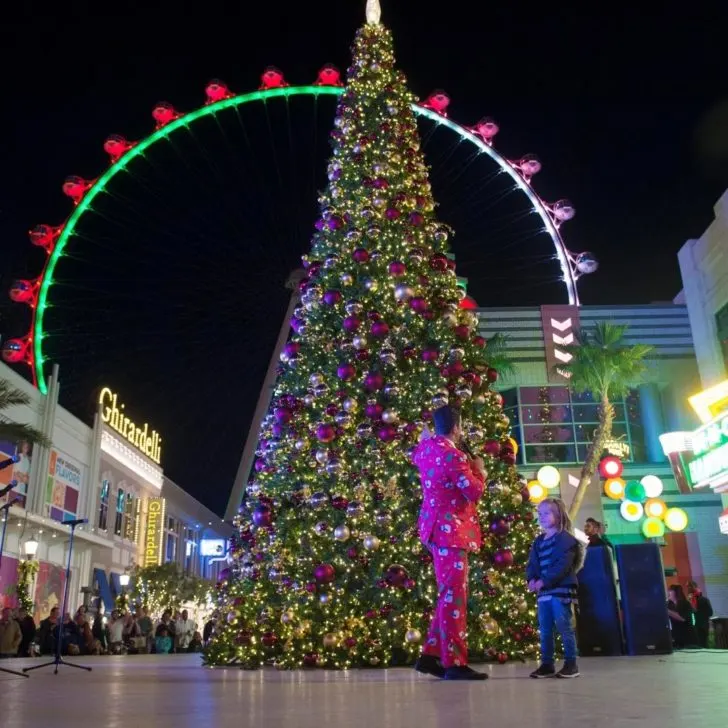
[[429, 665], [463, 672]]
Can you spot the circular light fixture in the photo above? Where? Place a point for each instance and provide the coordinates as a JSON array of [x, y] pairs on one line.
[[653, 486], [655, 508], [614, 488], [536, 492], [676, 519], [635, 491], [548, 476], [610, 467], [631, 511], [653, 528]]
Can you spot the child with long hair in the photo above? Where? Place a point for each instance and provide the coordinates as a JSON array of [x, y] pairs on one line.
[[556, 557]]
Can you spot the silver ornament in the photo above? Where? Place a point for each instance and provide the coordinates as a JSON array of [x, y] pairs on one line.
[[331, 261], [355, 509], [391, 391], [308, 400], [318, 500], [320, 389], [353, 308], [403, 292], [342, 533], [322, 456], [301, 445], [320, 528], [334, 467], [371, 285], [316, 378], [390, 417], [439, 400], [363, 431], [413, 636], [343, 419], [350, 404], [457, 354], [371, 542], [360, 342], [464, 392], [388, 356], [383, 518], [324, 598], [347, 279]]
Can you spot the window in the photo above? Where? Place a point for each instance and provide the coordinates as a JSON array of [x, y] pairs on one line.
[[190, 551], [130, 517], [171, 540], [555, 425], [721, 324], [104, 504], [120, 506]]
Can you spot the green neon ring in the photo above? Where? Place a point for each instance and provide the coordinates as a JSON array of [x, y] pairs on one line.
[[263, 95]]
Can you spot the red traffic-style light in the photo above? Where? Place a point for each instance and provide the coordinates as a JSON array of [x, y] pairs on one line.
[[610, 467]]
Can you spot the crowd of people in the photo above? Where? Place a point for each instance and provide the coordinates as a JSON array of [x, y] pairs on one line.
[[125, 632]]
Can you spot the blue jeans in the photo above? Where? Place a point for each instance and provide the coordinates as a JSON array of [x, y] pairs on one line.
[[555, 613]]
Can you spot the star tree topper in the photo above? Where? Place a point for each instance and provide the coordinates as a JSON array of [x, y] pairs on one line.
[[374, 12]]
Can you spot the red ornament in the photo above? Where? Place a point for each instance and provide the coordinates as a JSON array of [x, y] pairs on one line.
[[324, 573], [329, 75], [491, 374], [500, 527], [310, 659], [269, 638], [438, 262], [350, 642], [492, 448], [397, 268], [430, 353], [396, 575], [416, 218], [360, 255], [392, 213], [479, 341], [502, 658], [462, 331], [272, 78], [379, 329], [503, 558]]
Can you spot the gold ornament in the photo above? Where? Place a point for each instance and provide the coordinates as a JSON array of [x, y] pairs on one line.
[[490, 627], [517, 499], [350, 404], [330, 640], [413, 636], [390, 417], [288, 616]]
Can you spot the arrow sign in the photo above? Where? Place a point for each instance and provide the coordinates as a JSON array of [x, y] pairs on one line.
[[563, 340], [563, 356], [561, 325]]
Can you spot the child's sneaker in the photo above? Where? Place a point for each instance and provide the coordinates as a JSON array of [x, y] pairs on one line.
[[544, 671], [568, 670]]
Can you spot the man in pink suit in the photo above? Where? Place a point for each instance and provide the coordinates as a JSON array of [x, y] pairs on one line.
[[452, 484]]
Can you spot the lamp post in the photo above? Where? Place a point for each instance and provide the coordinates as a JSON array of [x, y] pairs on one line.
[[31, 548], [124, 583]]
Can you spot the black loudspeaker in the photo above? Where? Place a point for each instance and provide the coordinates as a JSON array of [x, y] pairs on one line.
[[644, 602], [599, 631]]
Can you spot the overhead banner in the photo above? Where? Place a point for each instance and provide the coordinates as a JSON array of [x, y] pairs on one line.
[[17, 472]]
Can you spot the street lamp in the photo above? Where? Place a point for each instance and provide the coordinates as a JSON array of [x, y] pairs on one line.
[[124, 580], [31, 547]]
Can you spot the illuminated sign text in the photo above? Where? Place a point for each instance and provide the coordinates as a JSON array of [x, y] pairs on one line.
[[150, 443]]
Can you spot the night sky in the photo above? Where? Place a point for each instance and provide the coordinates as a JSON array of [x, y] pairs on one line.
[[173, 294]]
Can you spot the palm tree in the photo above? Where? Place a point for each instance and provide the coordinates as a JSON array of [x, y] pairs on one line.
[[605, 366], [13, 431]]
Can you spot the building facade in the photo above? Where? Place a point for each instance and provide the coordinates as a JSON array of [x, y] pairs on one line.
[[109, 474], [553, 426]]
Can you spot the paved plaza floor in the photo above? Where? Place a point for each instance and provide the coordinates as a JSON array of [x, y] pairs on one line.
[[174, 691]]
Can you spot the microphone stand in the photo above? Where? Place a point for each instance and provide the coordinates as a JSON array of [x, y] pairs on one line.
[[59, 642], [6, 508]]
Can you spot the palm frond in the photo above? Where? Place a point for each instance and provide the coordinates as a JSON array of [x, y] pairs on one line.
[[497, 356], [15, 432], [602, 363], [10, 396]]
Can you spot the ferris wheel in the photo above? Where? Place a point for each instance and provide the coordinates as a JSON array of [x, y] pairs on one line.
[[125, 156]]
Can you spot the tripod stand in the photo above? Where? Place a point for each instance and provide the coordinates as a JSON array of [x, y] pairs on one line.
[[59, 642], [6, 508]]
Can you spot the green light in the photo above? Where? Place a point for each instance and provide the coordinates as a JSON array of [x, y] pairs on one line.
[[165, 132]]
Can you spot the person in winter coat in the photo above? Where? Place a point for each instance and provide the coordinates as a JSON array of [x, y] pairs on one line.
[[10, 635], [556, 557]]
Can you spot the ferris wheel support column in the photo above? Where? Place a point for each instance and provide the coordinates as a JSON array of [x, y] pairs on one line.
[[266, 393]]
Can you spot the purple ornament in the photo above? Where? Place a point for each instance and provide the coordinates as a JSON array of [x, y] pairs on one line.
[[324, 573], [374, 411], [360, 255], [336, 223], [346, 371], [392, 213], [373, 382], [500, 527], [297, 324], [283, 415], [292, 348], [351, 324], [224, 575], [263, 516], [397, 268], [430, 353], [325, 432], [418, 304], [387, 433], [416, 218], [332, 297]]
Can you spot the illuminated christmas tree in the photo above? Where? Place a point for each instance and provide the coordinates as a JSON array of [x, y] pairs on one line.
[[328, 570]]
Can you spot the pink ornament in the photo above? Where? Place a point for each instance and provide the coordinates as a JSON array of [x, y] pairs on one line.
[[416, 218], [430, 353], [418, 304], [263, 516], [438, 262], [503, 558], [379, 329], [346, 372], [492, 448], [387, 433], [397, 268], [392, 213]]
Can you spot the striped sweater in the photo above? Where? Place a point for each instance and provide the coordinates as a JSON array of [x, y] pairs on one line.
[[555, 561]]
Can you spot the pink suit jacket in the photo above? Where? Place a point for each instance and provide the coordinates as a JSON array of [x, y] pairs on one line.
[[451, 488]]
